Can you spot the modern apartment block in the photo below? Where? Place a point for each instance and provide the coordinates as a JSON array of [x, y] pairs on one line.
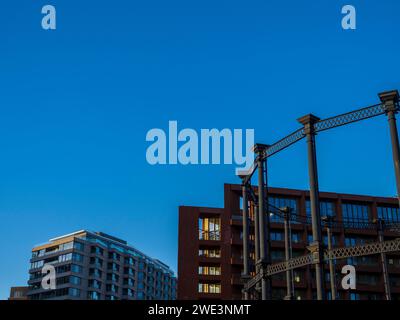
[[210, 245], [97, 266]]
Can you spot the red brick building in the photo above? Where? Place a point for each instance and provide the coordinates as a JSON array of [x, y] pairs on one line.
[[210, 245]]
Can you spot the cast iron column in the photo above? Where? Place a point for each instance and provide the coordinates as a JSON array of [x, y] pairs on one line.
[[263, 220], [308, 121], [390, 99], [288, 253], [332, 272], [385, 272], [245, 237]]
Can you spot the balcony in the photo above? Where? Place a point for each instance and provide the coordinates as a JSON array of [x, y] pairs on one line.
[[209, 235]]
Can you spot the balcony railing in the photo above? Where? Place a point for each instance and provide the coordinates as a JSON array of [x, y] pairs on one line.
[[209, 235]]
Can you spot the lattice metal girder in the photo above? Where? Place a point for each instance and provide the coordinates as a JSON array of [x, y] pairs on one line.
[[393, 226], [363, 250], [253, 281], [285, 142], [350, 117], [337, 253], [294, 263]]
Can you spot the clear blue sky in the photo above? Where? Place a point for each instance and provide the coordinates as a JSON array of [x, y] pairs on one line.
[[76, 103]]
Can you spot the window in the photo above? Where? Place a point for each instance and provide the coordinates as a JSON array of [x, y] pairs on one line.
[[129, 271], [210, 252], [389, 214], [113, 266], [210, 229], [297, 275], [141, 265], [326, 240], [395, 280], [140, 295], [96, 250], [326, 208], [129, 261], [114, 256], [277, 236], [93, 283], [140, 275], [371, 260], [75, 280], [209, 270], [65, 257], [93, 272], [78, 246], [354, 296], [353, 241], [96, 261], [296, 237], [127, 292], [112, 288], [129, 282], [280, 202], [75, 268], [74, 292], [354, 213], [112, 277], [209, 287], [77, 257], [37, 264], [367, 279], [93, 295], [65, 246]]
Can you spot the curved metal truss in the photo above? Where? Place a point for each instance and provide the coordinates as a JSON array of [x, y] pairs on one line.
[[322, 125], [318, 256], [350, 117]]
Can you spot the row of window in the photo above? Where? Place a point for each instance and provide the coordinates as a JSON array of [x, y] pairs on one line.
[[98, 262], [280, 236], [61, 247], [350, 211], [210, 253], [209, 270], [205, 287], [72, 292]]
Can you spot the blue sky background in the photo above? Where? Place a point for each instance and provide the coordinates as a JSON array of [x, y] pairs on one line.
[[76, 104]]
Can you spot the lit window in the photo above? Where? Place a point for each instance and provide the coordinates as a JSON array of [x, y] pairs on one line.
[[209, 270], [209, 287], [210, 229]]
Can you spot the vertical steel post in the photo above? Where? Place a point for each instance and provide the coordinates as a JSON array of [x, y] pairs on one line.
[[308, 121], [390, 99], [385, 272], [260, 149], [256, 241], [245, 237], [288, 253], [332, 272]]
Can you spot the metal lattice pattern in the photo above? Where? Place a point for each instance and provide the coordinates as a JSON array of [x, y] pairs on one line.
[[363, 250], [393, 227], [329, 123], [349, 117], [337, 253], [290, 264], [253, 281], [285, 142]]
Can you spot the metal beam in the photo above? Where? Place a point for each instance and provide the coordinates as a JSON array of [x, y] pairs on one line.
[[309, 121]]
